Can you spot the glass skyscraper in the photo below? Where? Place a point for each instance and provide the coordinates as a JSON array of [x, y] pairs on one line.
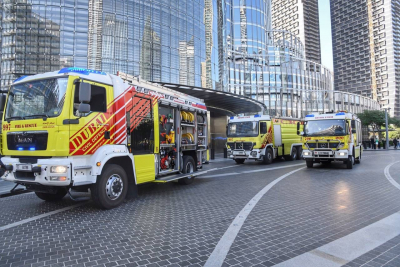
[[226, 45], [366, 49]]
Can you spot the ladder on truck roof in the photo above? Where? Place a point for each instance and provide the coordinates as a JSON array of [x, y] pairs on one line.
[[135, 80]]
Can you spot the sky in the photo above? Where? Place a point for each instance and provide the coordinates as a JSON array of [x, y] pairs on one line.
[[325, 33]]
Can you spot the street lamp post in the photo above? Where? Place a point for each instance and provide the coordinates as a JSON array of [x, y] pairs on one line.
[[387, 127]]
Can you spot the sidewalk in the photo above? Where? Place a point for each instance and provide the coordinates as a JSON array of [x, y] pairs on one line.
[[390, 148]]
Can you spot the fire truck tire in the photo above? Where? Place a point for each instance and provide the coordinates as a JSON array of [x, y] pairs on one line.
[[267, 159], [350, 162], [189, 166], [239, 161], [299, 152], [111, 187], [293, 155], [61, 192], [309, 163]]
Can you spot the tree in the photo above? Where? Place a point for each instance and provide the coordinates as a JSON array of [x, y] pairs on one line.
[[376, 119]]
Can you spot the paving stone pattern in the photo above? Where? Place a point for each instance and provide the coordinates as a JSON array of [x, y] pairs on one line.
[[174, 225], [168, 224], [387, 255], [312, 208]]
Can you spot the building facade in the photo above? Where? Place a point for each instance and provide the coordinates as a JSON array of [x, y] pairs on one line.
[[299, 17], [225, 45], [366, 52]]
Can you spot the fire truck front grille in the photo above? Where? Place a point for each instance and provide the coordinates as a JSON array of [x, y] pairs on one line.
[[328, 145], [241, 145], [27, 140], [312, 145]]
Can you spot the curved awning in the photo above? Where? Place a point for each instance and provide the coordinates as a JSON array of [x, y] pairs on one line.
[[223, 103]]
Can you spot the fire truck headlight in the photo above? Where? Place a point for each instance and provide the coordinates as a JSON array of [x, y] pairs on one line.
[[306, 153], [342, 154], [254, 153], [58, 169]]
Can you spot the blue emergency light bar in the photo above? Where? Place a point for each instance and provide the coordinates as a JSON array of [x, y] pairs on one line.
[[81, 71], [310, 116], [340, 113], [257, 116]]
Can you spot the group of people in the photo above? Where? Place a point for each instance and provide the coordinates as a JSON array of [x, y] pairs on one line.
[[376, 144]]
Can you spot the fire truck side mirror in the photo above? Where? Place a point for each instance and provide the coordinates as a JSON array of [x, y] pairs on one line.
[[85, 93], [2, 102], [84, 108], [298, 128], [263, 128]]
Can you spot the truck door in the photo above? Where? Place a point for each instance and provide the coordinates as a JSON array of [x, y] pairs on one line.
[[140, 122], [91, 130]]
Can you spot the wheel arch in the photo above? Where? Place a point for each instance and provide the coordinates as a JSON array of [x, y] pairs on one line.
[[191, 153], [127, 163]]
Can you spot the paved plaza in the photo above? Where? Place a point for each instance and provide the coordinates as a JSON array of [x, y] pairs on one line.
[[234, 215]]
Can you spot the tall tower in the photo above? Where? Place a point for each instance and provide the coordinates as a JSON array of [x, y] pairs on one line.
[[366, 49], [301, 18]]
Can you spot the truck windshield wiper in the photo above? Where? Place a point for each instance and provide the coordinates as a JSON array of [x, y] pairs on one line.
[[14, 118], [44, 116]]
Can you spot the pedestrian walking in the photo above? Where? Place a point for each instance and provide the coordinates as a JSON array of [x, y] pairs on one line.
[[395, 143]]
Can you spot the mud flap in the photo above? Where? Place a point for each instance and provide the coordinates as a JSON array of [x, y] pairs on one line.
[[132, 191]]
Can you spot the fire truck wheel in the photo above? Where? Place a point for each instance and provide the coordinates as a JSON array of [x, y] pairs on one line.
[[293, 155], [239, 161], [111, 187], [350, 162], [267, 159], [299, 153], [61, 192], [188, 167], [309, 163]]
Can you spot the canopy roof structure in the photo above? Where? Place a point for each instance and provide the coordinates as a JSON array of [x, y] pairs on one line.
[[220, 102]]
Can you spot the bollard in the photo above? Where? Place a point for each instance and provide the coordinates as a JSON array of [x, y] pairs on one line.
[[212, 153], [225, 153]]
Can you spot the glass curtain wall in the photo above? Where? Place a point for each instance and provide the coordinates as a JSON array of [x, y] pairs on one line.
[[176, 41], [226, 45]]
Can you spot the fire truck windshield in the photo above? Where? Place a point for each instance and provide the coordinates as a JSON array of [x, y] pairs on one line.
[[243, 129], [40, 98], [325, 128]]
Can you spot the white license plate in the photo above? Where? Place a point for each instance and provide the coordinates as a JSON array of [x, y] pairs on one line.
[[239, 153], [321, 153], [24, 167]]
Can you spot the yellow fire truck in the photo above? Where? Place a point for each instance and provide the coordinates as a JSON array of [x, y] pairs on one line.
[[262, 138], [331, 137], [85, 129]]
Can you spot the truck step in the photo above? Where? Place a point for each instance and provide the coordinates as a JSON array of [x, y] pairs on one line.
[[177, 177]]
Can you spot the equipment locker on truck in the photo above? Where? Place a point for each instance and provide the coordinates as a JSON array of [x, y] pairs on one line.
[[86, 129]]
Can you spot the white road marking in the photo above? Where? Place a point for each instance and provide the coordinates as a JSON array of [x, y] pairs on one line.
[[389, 177], [11, 225], [350, 247], [217, 257], [274, 168], [244, 172], [219, 175]]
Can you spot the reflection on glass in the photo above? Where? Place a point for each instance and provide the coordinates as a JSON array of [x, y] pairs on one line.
[[325, 128]]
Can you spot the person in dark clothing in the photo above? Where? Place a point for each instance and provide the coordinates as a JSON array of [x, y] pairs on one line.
[[395, 143], [372, 143]]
